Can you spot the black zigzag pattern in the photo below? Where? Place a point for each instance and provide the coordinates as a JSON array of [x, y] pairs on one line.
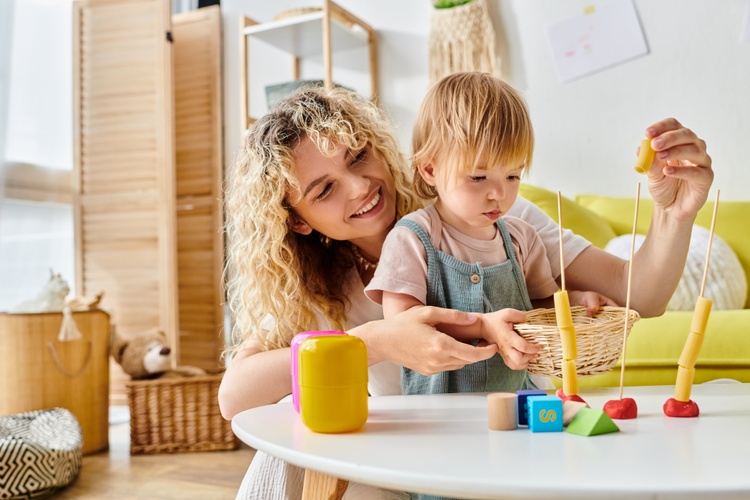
[[40, 451]]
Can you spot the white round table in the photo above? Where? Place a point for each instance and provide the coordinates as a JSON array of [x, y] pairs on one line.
[[441, 445]]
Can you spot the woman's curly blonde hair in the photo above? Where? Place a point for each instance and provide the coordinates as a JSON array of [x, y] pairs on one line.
[[280, 282]]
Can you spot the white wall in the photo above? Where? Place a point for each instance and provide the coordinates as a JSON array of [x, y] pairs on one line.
[[587, 130]]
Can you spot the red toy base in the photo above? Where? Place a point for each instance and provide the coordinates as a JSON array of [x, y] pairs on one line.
[[621, 409], [573, 397], [674, 408]]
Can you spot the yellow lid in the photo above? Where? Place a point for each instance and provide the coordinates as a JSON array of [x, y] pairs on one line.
[[334, 361]]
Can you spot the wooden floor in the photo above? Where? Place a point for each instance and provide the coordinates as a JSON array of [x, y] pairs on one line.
[[214, 475]]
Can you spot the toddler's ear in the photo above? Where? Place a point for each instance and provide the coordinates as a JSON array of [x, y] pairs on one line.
[[427, 172], [298, 225]]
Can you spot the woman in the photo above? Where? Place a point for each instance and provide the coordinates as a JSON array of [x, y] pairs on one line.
[[317, 188]]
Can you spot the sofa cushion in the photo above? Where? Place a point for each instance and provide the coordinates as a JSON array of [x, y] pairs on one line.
[[726, 285], [655, 345], [731, 221], [618, 212], [732, 225], [578, 219]]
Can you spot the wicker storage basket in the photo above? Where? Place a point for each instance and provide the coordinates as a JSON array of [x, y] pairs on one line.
[[598, 339], [38, 371], [176, 415]]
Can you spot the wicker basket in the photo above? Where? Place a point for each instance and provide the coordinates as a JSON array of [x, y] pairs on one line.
[[598, 339], [178, 414]]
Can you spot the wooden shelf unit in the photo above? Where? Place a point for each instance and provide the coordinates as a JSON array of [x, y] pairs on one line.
[[317, 33]]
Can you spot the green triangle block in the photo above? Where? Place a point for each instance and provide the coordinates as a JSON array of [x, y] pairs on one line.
[[590, 422]]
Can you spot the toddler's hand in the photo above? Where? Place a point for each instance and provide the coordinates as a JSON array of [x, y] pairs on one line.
[[592, 301], [497, 328]]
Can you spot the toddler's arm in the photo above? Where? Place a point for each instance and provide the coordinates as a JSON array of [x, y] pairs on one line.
[[495, 329]]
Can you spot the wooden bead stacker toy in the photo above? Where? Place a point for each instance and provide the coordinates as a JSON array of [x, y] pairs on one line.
[[569, 391], [626, 408], [681, 405]]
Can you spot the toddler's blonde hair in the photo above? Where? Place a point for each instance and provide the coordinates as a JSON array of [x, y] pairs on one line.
[[468, 119], [280, 282]]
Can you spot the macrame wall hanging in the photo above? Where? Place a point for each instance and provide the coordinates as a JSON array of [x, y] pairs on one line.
[[461, 39]]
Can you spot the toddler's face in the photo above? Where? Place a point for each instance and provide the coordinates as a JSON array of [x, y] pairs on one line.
[[472, 201]]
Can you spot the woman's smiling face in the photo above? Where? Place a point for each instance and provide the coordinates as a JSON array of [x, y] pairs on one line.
[[348, 196]]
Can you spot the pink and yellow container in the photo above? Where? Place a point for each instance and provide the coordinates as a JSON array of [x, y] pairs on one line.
[[333, 383], [296, 341]]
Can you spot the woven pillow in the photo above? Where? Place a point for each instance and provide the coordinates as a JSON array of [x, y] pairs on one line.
[[726, 284], [40, 451]]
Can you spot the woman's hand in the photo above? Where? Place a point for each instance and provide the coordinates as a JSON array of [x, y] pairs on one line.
[[497, 327], [592, 301], [681, 175], [414, 338]]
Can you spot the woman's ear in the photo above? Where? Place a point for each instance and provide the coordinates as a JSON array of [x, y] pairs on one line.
[[298, 225], [427, 173]]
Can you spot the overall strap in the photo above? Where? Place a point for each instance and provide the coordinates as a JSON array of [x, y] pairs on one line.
[[435, 290], [511, 253]]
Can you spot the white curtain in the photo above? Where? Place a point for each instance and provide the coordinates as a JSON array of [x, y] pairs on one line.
[[6, 15], [35, 129], [39, 114]]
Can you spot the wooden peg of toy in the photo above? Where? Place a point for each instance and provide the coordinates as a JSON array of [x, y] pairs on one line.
[[565, 326], [502, 411], [625, 408], [681, 405], [621, 409]]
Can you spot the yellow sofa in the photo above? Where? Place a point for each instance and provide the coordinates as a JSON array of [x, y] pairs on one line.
[[655, 344]]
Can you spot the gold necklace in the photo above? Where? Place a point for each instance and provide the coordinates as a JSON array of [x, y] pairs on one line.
[[363, 262]]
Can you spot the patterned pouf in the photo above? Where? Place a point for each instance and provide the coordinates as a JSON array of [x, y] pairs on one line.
[[40, 451]]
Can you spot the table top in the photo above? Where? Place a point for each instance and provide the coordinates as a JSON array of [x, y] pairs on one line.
[[440, 444]]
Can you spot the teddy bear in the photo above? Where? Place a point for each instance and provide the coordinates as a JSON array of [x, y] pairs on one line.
[[147, 356]]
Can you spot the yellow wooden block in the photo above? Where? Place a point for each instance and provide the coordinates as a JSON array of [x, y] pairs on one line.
[[562, 309], [645, 157], [568, 341], [684, 384], [569, 377], [691, 350], [700, 315]]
